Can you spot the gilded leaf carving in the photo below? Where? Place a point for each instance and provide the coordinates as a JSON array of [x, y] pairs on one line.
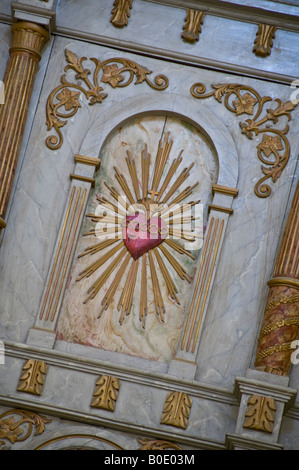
[[121, 13], [274, 149], [106, 393], [64, 101], [260, 413], [192, 25], [156, 444], [176, 410], [264, 40], [32, 377]]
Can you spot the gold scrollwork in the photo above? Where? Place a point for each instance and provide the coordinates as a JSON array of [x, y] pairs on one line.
[[17, 430], [274, 149], [156, 444], [67, 94]]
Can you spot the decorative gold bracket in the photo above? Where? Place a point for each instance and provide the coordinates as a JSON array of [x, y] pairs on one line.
[[121, 13], [264, 40], [274, 142], [67, 94], [192, 25]]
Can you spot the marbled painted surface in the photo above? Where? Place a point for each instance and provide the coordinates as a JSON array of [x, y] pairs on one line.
[[78, 322]]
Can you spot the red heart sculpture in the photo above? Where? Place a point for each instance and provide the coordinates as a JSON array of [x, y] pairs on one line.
[[140, 235]]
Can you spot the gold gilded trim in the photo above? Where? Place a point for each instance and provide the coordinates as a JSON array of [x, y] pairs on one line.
[[2, 223], [88, 160], [84, 179], [283, 281], [214, 207], [217, 188]]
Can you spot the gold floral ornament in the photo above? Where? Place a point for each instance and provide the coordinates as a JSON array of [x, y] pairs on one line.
[[64, 101], [17, 430], [274, 148], [157, 444]]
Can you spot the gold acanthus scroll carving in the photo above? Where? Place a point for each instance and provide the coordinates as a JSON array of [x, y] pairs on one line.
[[121, 13], [264, 40], [117, 72], [273, 149], [17, 425], [192, 25]]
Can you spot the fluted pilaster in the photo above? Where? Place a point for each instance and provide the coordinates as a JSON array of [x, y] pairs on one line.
[[280, 325], [25, 53]]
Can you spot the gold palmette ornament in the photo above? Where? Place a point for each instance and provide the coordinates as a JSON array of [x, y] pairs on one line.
[[142, 241]]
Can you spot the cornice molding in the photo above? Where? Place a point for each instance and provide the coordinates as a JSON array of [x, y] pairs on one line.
[[233, 11], [176, 57]]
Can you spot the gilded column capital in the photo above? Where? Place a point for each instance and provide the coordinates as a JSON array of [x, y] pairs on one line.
[[28, 38]]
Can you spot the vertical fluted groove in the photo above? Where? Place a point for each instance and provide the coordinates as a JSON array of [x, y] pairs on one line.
[[25, 53], [280, 326]]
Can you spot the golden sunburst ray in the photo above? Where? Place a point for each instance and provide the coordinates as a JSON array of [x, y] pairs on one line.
[[157, 256]]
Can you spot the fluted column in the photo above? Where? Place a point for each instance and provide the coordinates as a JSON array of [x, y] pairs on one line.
[[25, 53], [280, 324]]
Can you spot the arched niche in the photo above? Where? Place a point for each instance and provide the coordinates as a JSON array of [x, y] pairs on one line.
[[207, 145]]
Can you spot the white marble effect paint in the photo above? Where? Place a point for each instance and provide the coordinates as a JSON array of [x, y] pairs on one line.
[[160, 27]]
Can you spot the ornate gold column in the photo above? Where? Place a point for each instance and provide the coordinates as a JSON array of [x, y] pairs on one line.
[[25, 53], [280, 324]]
